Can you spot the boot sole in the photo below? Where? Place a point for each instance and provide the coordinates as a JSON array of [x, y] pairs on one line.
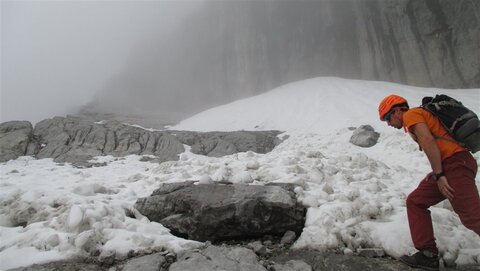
[[420, 266]]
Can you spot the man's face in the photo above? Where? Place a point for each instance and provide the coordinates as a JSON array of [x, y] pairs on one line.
[[393, 119]]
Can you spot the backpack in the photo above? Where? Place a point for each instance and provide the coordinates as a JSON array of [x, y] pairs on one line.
[[460, 122]]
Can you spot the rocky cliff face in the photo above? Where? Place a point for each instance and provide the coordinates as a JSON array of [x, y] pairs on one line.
[[77, 140], [426, 43], [233, 49]]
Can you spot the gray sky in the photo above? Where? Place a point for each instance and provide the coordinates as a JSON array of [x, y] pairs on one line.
[[56, 55]]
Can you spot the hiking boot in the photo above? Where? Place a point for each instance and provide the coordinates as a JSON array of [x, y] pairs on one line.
[[420, 260]]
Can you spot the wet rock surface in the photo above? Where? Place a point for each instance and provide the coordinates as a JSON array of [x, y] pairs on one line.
[[238, 257], [76, 140], [218, 258]]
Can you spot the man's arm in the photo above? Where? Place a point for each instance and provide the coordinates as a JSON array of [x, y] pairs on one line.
[[427, 142]]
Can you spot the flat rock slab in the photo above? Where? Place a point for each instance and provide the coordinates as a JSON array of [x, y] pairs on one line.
[[222, 212], [214, 258]]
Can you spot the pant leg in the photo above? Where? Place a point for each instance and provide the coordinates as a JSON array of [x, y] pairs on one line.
[[419, 219], [460, 171]]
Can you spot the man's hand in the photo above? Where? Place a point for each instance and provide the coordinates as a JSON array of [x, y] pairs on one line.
[[445, 188]]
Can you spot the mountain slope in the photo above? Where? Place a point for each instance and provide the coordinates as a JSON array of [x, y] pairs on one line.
[[318, 105]]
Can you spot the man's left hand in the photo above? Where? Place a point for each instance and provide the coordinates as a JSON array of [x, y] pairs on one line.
[[445, 188]]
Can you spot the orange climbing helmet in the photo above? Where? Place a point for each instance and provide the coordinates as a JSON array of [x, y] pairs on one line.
[[388, 103]]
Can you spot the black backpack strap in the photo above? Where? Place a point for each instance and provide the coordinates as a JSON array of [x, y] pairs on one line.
[[444, 103], [468, 115]]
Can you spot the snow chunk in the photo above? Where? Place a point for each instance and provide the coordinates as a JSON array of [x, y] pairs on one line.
[[253, 165], [242, 178], [75, 217], [222, 174], [205, 180]]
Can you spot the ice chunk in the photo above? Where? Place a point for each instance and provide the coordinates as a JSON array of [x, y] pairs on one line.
[[75, 217]]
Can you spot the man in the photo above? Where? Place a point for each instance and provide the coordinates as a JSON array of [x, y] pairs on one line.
[[452, 177]]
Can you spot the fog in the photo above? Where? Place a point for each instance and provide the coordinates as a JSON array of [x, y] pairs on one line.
[[164, 60], [167, 60], [56, 55], [227, 50]]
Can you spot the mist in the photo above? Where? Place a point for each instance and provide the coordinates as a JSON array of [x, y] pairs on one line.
[[55, 55], [167, 60]]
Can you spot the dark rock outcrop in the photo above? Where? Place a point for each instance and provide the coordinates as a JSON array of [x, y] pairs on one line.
[[340, 262], [220, 212], [77, 140], [14, 139], [152, 262], [218, 144], [62, 265], [364, 136]]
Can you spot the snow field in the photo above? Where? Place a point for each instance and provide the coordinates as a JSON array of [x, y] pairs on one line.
[[355, 196], [354, 201]]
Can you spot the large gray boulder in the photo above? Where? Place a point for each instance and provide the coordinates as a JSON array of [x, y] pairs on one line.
[[364, 136], [220, 212], [14, 139]]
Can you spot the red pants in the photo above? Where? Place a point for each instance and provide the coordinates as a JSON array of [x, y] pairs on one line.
[[460, 170]]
